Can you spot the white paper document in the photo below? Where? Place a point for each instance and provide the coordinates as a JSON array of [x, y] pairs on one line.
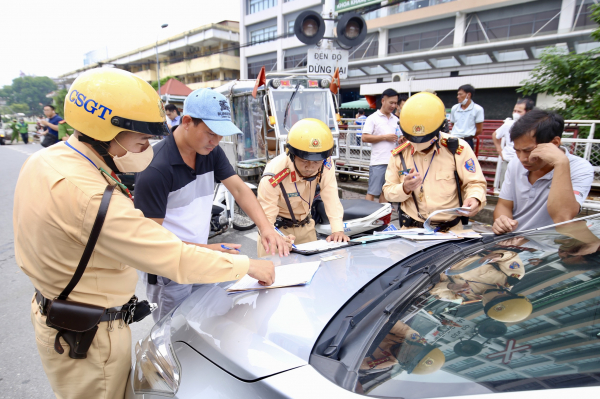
[[285, 276], [320, 245]]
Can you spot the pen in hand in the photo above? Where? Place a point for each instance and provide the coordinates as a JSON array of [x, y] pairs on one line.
[[283, 235], [229, 249]]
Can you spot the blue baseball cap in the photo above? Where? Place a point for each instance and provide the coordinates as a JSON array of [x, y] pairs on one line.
[[213, 109]]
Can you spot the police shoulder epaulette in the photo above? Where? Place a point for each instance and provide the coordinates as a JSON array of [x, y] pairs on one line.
[[278, 178], [459, 150], [400, 148]]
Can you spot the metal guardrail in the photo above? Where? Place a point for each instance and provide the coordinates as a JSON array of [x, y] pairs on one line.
[[355, 155]]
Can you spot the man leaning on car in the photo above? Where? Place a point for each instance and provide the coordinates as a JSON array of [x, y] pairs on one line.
[[546, 185]]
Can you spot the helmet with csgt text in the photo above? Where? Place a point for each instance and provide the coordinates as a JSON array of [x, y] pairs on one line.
[[310, 139], [422, 117], [103, 102]]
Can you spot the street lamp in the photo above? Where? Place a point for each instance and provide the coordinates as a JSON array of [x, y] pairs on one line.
[[157, 63]]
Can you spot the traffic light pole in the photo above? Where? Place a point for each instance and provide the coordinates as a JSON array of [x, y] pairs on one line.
[[328, 15]]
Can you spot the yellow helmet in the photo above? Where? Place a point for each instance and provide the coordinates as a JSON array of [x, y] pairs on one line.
[[507, 308], [431, 361], [103, 102], [422, 117], [310, 139]]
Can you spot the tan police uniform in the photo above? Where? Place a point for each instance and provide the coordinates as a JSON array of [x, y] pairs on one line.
[[300, 193], [482, 278], [56, 201], [439, 185], [382, 357]]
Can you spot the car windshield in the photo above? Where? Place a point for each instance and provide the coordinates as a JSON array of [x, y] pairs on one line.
[[308, 103], [519, 314]]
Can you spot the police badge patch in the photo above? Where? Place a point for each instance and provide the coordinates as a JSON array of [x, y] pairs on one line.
[[327, 163], [514, 265], [470, 165]]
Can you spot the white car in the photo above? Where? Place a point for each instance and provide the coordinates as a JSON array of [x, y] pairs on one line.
[[493, 317]]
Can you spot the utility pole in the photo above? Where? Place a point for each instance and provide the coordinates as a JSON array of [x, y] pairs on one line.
[[157, 63]]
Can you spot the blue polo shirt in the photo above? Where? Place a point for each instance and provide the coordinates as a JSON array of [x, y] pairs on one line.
[[169, 189], [54, 120]]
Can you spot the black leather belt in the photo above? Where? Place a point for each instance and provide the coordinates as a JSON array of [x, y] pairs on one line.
[[116, 313], [407, 221], [289, 223]]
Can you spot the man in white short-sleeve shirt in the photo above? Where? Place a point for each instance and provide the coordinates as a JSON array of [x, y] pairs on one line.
[[544, 184], [466, 116], [507, 153], [382, 131]]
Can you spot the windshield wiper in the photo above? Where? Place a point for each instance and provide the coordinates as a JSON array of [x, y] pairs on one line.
[[354, 318], [287, 108]]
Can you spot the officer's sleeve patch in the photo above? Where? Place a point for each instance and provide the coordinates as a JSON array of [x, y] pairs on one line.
[[400, 148], [514, 265], [470, 165], [328, 163], [278, 178]]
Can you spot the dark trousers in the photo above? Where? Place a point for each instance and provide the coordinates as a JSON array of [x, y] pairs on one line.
[[470, 142], [25, 137]]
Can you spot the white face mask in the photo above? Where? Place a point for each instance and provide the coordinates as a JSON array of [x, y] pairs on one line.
[[465, 101], [516, 117], [133, 161]]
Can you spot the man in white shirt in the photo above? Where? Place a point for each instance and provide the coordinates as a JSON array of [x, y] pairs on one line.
[[466, 116], [544, 184], [382, 131], [507, 153], [173, 114]]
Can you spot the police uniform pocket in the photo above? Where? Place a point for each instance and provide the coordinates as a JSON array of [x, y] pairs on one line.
[[445, 183]]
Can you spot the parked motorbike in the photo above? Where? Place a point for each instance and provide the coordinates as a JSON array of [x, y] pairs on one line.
[[227, 213], [360, 216]]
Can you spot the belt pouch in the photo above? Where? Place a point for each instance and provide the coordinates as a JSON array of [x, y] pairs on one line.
[[76, 322], [405, 220]]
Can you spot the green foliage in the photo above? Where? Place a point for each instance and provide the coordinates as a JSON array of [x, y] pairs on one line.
[[59, 101], [20, 108], [162, 82], [574, 78], [30, 90]]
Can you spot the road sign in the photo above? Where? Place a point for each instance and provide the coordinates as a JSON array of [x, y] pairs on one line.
[[324, 61]]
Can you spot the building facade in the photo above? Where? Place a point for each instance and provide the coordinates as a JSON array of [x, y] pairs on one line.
[[419, 44], [204, 57]]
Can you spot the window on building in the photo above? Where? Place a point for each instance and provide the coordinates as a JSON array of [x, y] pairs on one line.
[[254, 67], [290, 27], [263, 34], [260, 5], [294, 61], [420, 41], [518, 26], [585, 16], [368, 48]]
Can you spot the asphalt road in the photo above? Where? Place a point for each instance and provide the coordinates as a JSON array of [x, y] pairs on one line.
[[21, 373]]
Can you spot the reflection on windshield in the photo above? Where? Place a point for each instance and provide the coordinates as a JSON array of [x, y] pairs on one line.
[[308, 103], [521, 314]]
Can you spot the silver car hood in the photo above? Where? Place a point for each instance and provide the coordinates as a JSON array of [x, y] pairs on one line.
[[255, 334]]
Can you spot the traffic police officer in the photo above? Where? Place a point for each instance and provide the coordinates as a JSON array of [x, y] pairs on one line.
[[489, 283], [499, 268], [57, 198], [402, 349], [425, 171], [288, 187]]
